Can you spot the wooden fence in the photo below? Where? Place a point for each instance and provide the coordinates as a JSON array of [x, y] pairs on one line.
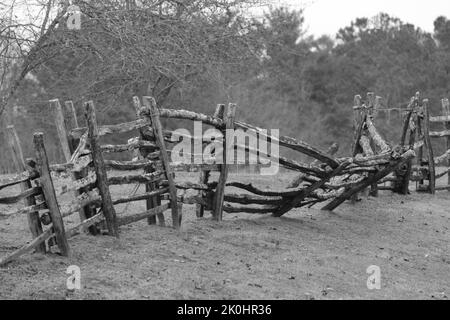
[[417, 134], [327, 179]]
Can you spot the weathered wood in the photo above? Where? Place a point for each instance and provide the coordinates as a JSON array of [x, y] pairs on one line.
[[25, 210], [48, 190], [194, 116], [426, 131], [144, 196], [35, 243], [205, 174], [87, 181], [407, 121], [128, 147], [100, 170], [285, 162], [364, 142], [228, 147], [17, 179], [17, 154], [151, 110], [154, 201], [376, 137], [113, 128], [444, 118], [33, 191], [446, 112], [70, 108], [128, 165], [61, 128], [403, 173], [136, 178], [261, 210], [442, 158], [290, 143], [288, 205], [376, 177], [440, 134], [251, 199]]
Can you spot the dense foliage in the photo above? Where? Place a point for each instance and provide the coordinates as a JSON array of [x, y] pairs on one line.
[[195, 56]]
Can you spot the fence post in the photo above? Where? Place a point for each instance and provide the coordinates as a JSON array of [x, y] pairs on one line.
[[68, 147], [204, 174], [70, 108], [33, 218], [358, 126], [155, 201], [375, 104], [431, 165], [49, 194], [100, 171], [61, 127], [150, 103], [446, 112], [220, 189]]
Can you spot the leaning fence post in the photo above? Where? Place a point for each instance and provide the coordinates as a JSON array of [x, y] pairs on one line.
[[61, 128], [100, 171], [67, 143], [150, 103], [204, 174], [431, 165], [33, 217], [220, 189], [446, 113], [71, 109], [49, 194]]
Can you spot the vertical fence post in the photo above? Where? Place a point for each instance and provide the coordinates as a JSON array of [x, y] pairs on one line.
[[374, 103], [49, 194], [431, 165], [100, 170], [359, 116], [61, 127], [228, 147], [70, 108], [34, 223], [154, 201], [150, 103], [446, 112], [68, 147], [204, 174]]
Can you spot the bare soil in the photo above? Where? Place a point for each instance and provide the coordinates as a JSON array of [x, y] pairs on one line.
[[307, 254]]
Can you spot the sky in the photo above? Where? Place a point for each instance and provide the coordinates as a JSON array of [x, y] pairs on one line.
[[328, 16]]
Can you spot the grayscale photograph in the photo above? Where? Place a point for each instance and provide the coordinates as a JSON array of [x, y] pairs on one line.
[[236, 153]]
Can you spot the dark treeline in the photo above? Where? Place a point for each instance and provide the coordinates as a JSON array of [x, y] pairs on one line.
[[279, 76]]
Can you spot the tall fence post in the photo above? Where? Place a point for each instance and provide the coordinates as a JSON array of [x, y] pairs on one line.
[[150, 103], [220, 189], [154, 201], [204, 174], [68, 146], [61, 127], [34, 223], [100, 170], [49, 194], [431, 164], [446, 112]]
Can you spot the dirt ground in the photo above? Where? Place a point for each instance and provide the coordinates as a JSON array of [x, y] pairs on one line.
[[307, 254]]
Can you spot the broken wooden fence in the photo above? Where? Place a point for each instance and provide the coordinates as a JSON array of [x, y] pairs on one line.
[[326, 179]]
